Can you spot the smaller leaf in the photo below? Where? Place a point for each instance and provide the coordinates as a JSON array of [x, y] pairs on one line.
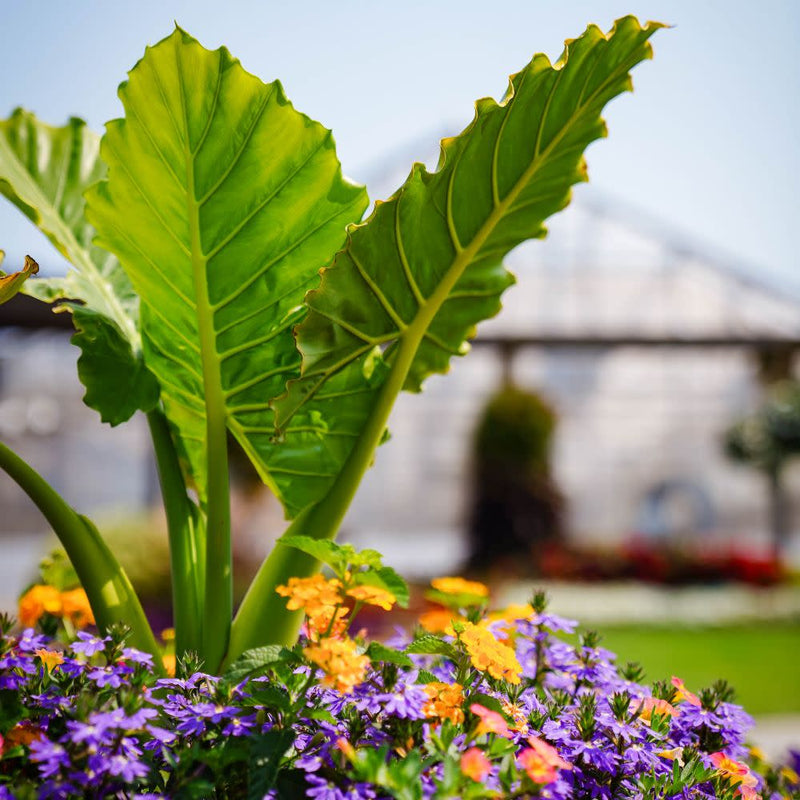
[[274, 697], [117, 382], [431, 645], [266, 753], [323, 550], [319, 713], [423, 677], [386, 578], [381, 654], [11, 284], [455, 601], [254, 661]]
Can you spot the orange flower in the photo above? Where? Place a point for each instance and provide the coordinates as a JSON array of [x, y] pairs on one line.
[[347, 748], [475, 765], [37, 601], [75, 606], [23, 732], [684, 693], [344, 668], [460, 586], [311, 594], [541, 761], [169, 662], [438, 620], [50, 658], [322, 622], [489, 655], [446, 701], [373, 595], [491, 721]]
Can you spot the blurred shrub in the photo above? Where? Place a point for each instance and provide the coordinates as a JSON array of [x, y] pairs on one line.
[[516, 506]]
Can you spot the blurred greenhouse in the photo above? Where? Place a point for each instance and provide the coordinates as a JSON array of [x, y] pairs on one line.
[[646, 347]]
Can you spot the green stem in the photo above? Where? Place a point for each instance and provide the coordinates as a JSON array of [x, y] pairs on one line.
[[322, 521], [186, 543], [107, 586], [218, 605], [218, 592]]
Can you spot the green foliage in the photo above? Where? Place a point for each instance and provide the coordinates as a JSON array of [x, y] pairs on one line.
[[222, 202], [44, 172], [415, 279], [210, 210]]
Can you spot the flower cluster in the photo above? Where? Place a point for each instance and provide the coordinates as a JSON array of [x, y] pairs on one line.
[[504, 705], [71, 605]]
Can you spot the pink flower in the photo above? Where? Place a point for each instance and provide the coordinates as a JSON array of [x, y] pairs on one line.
[[491, 721], [475, 765]]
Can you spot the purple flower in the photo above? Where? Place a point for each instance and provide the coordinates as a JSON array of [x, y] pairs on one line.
[[50, 756], [137, 656], [104, 676], [322, 789], [89, 645]]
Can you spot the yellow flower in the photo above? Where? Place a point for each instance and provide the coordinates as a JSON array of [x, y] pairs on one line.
[[373, 595], [475, 765], [489, 655], [75, 606], [50, 658], [311, 594], [169, 662], [460, 586], [37, 601], [168, 635], [344, 668], [446, 701], [788, 773]]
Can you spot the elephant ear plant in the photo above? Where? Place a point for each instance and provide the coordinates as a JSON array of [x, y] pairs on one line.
[[198, 228]]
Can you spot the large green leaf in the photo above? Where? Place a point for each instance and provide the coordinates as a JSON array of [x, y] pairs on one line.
[[44, 171], [222, 202], [414, 279]]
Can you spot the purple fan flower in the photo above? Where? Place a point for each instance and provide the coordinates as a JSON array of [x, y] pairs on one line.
[[89, 645]]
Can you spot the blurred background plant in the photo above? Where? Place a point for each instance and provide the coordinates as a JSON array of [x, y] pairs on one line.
[[767, 440]]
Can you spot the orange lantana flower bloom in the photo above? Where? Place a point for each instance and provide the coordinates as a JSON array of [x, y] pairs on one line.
[[489, 655], [446, 701], [37, 601]]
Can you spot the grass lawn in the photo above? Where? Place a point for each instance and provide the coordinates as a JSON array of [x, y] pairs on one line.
[[761, 661]]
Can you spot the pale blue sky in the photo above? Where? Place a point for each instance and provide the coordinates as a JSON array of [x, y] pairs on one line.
[[708, 143]]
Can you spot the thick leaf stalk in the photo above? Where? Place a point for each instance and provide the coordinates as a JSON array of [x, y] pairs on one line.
[[416, 278], [108, 588]]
